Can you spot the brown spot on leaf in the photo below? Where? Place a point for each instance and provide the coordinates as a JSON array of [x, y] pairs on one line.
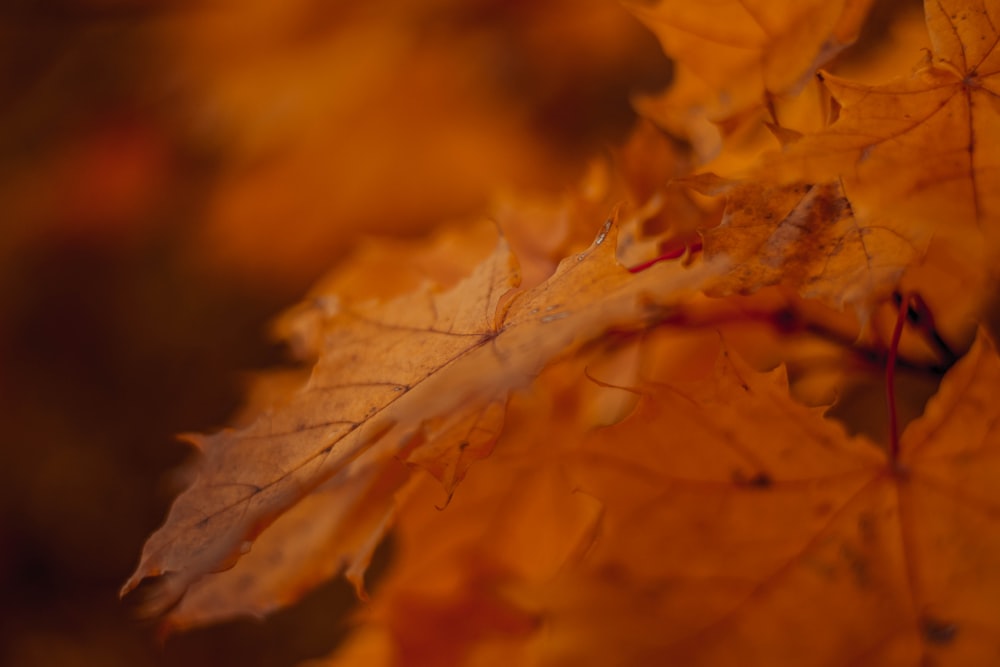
[[759, 480], [937, 631]]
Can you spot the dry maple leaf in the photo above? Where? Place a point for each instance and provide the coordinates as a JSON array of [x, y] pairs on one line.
[[807, 237], [921, 148], [382, 268], [723, 545], [416, 368], [519, 519], [335, 528], [372, 358]]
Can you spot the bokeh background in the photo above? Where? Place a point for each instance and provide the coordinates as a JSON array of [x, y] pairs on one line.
[[175, 173]]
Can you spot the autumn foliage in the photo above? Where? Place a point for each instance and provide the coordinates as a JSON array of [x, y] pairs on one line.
[[731, 402]]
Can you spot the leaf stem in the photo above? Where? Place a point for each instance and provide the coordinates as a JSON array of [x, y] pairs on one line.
[[673, 253]]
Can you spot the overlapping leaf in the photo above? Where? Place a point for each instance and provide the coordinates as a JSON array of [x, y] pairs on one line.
[[721, 522], [921, 148], [717, 546], [519, 519], [803, 546], [383, 372], [806, 237], [731, 53]]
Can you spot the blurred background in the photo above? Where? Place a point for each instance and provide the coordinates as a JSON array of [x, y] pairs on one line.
[[172, 175]]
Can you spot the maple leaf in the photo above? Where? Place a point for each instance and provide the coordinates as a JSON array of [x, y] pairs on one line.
[[434, 359], [519, 519], [717, 546], [335, 528], [920, 148], [249, 477], [807, 237], [803, 546], [730, 54], [720, 522]]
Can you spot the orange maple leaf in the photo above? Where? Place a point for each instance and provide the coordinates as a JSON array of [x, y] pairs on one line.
[[519, 519], [427, 366], [803, 546], [920, 148], [732, 54], [701, 528], [807, 237], [717, 546], [332, 530]]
